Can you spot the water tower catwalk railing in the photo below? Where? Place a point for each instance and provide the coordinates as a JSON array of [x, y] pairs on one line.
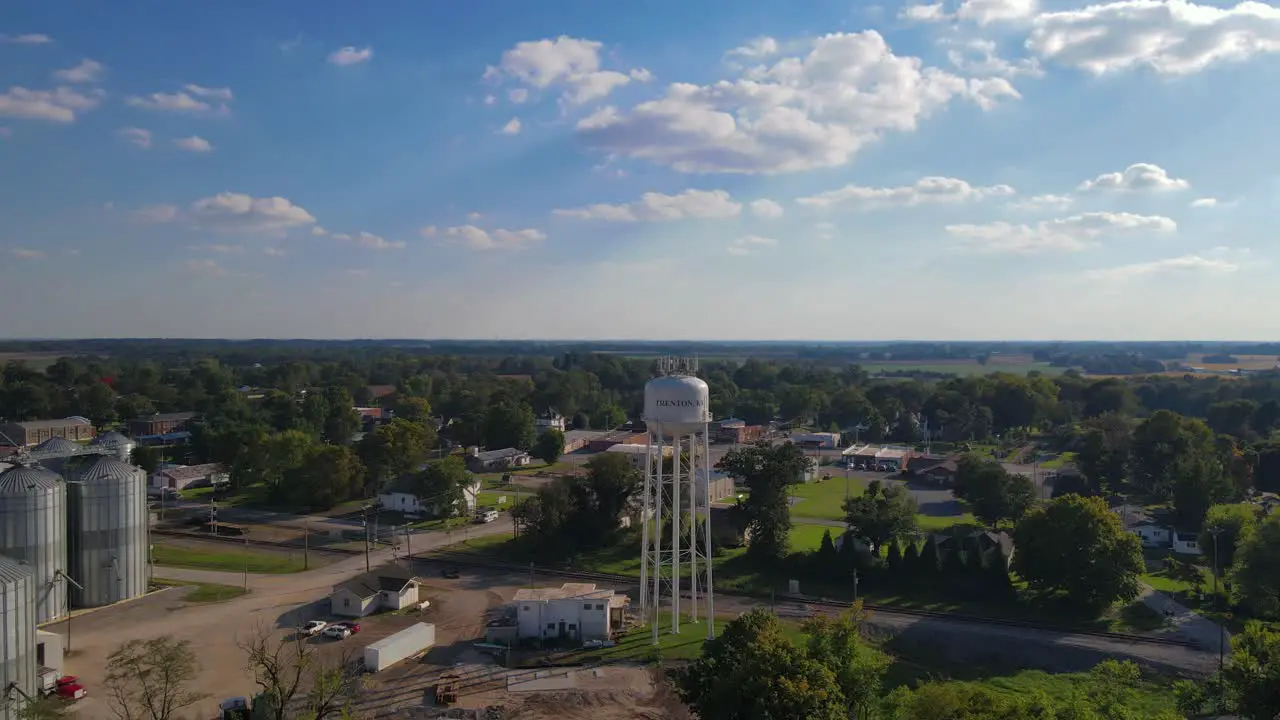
[[676, 517]]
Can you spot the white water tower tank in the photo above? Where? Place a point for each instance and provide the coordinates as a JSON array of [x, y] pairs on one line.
[[677, 405]]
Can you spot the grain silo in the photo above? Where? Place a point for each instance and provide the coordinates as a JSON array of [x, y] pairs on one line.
[[33, 529], [121, 445], [107, 531], [17, 636]]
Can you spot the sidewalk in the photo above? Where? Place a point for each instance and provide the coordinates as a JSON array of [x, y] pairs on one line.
[[1186, 623]]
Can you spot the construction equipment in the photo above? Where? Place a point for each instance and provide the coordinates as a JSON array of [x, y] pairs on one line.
[[447, 689]]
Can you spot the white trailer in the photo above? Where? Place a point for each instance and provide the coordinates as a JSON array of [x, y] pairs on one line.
[[388, 651]]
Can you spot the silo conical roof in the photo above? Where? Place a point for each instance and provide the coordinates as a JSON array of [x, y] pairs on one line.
[[110, 439], [27, 478], [13, 570], [57, 445], [106, 467]]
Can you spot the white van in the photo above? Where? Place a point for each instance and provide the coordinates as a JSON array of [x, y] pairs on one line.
[[487, 516]]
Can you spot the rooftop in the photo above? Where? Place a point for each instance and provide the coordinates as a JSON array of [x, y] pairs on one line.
[[499, 454], [860, 450], [579, 591], [368, 584], [46, 424], [891, 454], [165, 417], [191, 472]]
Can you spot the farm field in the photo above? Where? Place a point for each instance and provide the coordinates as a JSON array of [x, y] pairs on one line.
[[35, 360], [1246, 362], [1016, 364]]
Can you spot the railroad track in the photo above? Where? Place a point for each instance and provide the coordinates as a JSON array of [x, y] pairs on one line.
[[471, 560]]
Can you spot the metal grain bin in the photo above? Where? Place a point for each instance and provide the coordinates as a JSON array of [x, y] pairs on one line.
[[107, 532], [33, 529], [17, 635], [122, 445]]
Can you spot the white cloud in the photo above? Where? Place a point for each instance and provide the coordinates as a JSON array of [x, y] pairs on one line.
[[749, 244], [59, 105], [511, 128], [641, 75], [222, 249], [1043, 202], [427, 231], [767, 209], [27, 39], [350, 55], [1076, 232], [518, 95], [798, 114], [136, 136], [318, 231], [926, 191], [652, 206], [979, 57], [1204, 202], [473, 216], [193, 99], [924, 13], [490, 99], [86, 71], [1211, 262], [238, 212], [1172, 37], [371, 241], [757, 48], [157, 213], [570, 63], [1139, 177], [985, 12], [478, 239], [27, 253], [271, 251], [194, 143], [824, 230], [204, 266]]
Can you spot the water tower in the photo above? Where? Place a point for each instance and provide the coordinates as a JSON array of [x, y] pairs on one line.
[[676, 530]]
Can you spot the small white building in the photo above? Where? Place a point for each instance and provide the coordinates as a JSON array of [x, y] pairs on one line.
[[493, 460], [1152, 535], [828, 441], [892, 457], [550, 421], [573, 611], [181, 477], [636, 453], [400, 498], [1186, 543], [377, 591]]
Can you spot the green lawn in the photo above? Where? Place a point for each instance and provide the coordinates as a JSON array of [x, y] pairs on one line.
[[807, 538], [824, 499], [931, 523], [226, 560], [1066, 458], [206, 592]]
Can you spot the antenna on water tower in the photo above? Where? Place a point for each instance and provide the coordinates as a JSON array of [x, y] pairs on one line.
[[676, 413]]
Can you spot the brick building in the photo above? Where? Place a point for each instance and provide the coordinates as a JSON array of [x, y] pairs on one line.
[[34, 432], [160, 423]]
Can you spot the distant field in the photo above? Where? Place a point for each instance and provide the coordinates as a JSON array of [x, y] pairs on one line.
[[33, 360], [964, 367], [1246, 362]]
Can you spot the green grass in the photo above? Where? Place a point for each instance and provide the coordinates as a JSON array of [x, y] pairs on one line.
[[965, 369], [1066, 458], [205, 592], [931, 523], [825, 499], [1147, 700], [807, 538], [226, 560]]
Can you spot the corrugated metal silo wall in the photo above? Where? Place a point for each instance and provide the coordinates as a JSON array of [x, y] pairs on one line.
[[108, 538], [33, 528], [17, 639]]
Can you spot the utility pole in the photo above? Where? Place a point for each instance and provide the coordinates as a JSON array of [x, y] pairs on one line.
[[855, 582], [246, 560], [213, 516], [408, 546], [306, 544], [366, 538]]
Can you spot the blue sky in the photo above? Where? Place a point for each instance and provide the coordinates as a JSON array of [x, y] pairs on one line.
[[972, 169]]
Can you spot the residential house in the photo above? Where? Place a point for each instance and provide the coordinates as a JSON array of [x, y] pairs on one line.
[[574, 612], [1152, 535], [402, 496], [34, 432], [939, 470], [1186, 543], [181, 477], [495, 460], [385, 589], [372, 417], [550, 420], [160, 424]]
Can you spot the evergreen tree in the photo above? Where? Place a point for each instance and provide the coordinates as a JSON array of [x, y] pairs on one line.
[[998, 574], [973, 560], [894, 559], [827, 556], [911, 559], [929, 557], [953, 561]]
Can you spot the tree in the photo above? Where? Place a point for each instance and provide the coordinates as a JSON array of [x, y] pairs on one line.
[[767, 472], [881, 514], [1103, 455], [894, 558], [751, 670], [330, 474], [549, 446], [828, 556], [1168, 446], [1234, 523], [413, 409], [146, 457], [394, 449], [509, 425], [1077, 547], [1255, 576], [994, 493], [858, 667], [1252, 677], [296, 682], [340, 419], [150, 679], [444, 483]]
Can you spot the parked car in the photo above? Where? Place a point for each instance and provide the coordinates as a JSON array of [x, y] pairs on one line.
[[337, 632], [351, 626], [487, 516], [450, 573], [314, 627], [69, 688]]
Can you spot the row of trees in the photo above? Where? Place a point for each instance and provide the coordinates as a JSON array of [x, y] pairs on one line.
[[573, 513]]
